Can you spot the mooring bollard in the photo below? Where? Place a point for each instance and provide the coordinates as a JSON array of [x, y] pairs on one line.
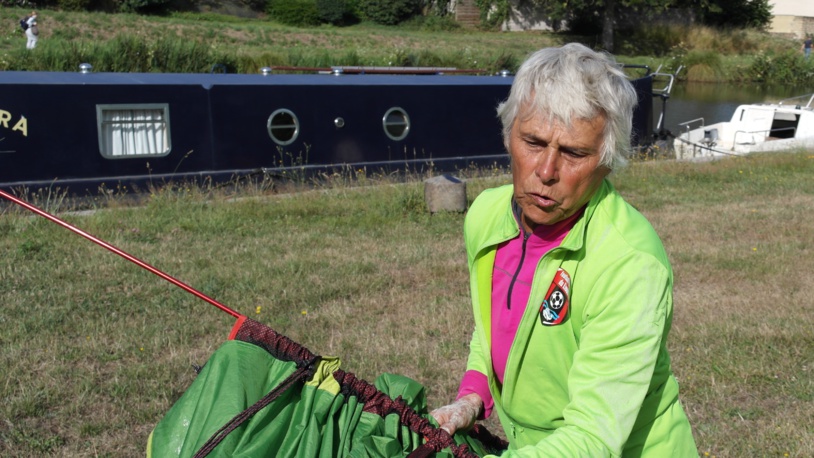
[[445, 193]]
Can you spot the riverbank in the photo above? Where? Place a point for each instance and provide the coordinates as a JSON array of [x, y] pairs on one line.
[[194, 42]]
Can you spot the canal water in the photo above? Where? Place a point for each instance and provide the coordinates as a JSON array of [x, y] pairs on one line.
[[715, 102]]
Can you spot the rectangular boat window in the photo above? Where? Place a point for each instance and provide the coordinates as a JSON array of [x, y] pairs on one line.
[[133, 130]]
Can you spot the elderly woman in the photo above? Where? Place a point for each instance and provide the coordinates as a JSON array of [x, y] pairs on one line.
[[571, 286]]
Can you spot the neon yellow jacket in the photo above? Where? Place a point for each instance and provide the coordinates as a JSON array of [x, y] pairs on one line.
[[599, 383]]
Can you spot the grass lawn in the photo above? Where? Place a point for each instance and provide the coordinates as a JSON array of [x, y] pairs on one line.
[[95, 350]]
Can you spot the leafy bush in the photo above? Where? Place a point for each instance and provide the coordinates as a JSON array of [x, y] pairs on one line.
[[755, 14], [389, 12], [703, 65], [333, 11], [299, 13], [493, 12], [73, 5], [437, 7], [144, 6], [172, 54], [648, 40], [124, 53], [789, 67]]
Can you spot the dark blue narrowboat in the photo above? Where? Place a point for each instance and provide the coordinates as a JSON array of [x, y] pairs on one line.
[[79, 131]]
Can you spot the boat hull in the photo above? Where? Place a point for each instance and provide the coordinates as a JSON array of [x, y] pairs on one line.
[[753, 128], [55, 127]]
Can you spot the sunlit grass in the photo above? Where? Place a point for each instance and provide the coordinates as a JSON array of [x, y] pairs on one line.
[[94, 349]]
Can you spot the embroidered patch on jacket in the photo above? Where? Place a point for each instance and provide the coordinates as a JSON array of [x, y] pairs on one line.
[[555, 306]]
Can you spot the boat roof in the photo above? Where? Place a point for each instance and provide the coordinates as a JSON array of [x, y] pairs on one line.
[[211, 79], [776, 107]]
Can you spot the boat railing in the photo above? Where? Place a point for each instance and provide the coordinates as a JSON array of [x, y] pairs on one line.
[[664, 94], [766, 132], [687, 126], [643, 67], [668, 79], [800, 97]]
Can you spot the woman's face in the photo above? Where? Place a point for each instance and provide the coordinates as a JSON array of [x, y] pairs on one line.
[[555, 169]]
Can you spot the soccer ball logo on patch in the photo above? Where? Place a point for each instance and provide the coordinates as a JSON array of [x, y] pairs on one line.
[[554, 309]]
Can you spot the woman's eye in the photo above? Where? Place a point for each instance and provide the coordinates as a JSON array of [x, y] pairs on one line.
[[536, 144]]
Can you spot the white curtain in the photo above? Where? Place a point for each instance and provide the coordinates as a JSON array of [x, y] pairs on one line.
[[134, 132]]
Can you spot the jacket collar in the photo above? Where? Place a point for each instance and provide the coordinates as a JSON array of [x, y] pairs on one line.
[[576, 236]]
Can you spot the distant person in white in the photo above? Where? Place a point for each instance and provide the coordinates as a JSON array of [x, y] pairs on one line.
[[32, 31]]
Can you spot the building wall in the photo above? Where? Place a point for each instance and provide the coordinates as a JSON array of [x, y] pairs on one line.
[[524, 17], [803, 8], [792, 26], [793, 18]]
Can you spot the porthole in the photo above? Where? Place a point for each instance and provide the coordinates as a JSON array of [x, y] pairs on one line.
[[396, 124], [283, 126]]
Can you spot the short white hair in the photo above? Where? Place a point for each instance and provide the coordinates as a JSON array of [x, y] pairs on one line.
[[570, 82]]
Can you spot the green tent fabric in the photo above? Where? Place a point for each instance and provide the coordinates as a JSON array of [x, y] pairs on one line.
[[331, 414]]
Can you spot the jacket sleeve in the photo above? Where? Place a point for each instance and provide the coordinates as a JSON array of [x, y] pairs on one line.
[[476, 360], [623, 327]]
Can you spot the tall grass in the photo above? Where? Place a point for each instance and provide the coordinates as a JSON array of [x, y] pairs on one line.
[[186, 42], [94, 349], [173, 54], [195, 42]]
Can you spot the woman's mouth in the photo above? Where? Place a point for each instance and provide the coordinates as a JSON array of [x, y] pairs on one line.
[[543, 201]]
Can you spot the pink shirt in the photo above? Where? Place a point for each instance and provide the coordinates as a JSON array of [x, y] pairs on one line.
[[515, 263]]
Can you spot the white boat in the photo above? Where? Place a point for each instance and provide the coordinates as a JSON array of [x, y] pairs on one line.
[[780, 126]]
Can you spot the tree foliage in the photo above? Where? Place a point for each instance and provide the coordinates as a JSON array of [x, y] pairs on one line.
[[332, 11], [299, 13], [389, 12], [494, 12], [144, 6], [755, 14], [604, 12], [602, 15]]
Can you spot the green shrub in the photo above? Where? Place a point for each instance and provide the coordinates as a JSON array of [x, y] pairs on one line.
[[755, 14], [73, 5], [125, 53], [431, 23], [106, 6], [494, 12], [299, 13], [389, 12], [789, 67], [506, 61], [703, 65], [144, 6], [173, 54], [332, 11], [437, 7], [647, 40]]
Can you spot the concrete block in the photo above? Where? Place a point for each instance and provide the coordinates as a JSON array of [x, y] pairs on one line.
[[445, 193]]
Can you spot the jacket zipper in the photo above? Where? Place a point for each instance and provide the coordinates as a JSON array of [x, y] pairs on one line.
[[517, 271]]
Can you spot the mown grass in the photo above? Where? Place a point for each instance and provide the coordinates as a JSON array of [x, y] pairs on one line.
[[195, 42], [94, 349]]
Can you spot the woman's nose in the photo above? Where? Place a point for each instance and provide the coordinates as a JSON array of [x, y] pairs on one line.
[[548, 166]]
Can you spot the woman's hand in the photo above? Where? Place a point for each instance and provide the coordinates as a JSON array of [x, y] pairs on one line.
[[460, 415]]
